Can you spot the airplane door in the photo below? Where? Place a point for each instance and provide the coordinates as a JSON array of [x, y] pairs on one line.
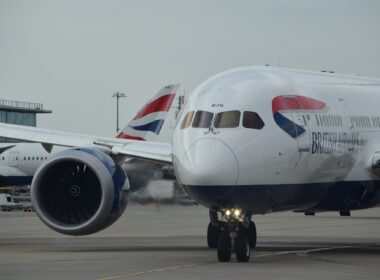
[[14, 159], [300, 122], [301, 131], [347, 158]]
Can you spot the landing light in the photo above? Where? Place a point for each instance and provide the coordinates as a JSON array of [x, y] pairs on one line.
[[232, 213]]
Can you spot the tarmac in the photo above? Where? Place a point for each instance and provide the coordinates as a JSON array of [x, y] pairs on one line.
[[169, 242]]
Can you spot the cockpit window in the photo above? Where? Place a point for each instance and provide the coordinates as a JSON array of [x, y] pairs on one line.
[[252, 120], [202, 119], [227, 119], [187, 120]]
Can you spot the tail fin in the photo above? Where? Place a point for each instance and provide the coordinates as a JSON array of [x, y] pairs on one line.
[[149, 120]]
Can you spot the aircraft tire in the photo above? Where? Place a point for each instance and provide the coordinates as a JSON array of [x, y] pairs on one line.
[[224, 248], [213, 234], [242, 249], [251, 234]]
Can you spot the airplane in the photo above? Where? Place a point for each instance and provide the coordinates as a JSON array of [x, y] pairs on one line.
[[251, 140], [19, 161]]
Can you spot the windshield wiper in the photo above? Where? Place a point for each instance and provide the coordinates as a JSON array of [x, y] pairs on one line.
[[211, 129]]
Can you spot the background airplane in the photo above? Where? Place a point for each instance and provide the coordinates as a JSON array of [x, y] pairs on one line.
[[251, 140], [19, 161]]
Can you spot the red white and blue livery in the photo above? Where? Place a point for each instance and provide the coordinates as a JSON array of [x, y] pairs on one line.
[[147, 124], [252, 140]]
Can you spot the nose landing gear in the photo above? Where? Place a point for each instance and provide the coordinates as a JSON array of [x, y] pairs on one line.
[[235, 232]]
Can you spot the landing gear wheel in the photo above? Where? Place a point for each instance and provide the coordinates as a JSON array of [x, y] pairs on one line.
[[213, 234], [224, 248], [242, 249], [252, 235]]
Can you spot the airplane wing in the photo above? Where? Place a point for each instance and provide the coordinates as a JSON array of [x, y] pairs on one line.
[[145, 150]]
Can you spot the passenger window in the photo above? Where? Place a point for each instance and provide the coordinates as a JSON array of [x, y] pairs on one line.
[[202, 119], [227, 119], [187, 120], [252, 120]]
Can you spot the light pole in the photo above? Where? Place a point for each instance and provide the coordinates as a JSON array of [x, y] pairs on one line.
[[118, 95]]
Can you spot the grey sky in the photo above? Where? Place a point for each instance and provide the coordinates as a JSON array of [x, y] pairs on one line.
[[72, 55]]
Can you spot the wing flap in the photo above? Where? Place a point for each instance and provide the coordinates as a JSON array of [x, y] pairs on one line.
[[160, 153]]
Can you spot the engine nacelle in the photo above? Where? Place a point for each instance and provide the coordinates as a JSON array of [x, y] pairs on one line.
[[79, 191]]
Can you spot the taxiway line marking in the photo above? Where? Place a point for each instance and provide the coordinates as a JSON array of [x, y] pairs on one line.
[[154, 270], [302, 253], [296, 252]]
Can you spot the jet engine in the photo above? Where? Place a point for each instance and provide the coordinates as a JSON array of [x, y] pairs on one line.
[[79, 191]]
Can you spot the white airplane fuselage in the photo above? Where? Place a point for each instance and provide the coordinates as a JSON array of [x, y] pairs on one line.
[[313, 145], [19, 162], [249, 141]]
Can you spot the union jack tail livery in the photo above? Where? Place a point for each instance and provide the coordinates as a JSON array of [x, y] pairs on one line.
[[149, 120]]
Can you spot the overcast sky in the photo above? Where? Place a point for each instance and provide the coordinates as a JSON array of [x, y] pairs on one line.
[[73, 55]]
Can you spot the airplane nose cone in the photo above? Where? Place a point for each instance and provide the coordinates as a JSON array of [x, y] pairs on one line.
[[208, 162]]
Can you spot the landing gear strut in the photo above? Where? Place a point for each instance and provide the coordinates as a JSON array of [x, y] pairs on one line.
[[235, 232]]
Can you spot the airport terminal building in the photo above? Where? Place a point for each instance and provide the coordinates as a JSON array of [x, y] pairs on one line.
[[21, 113]]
